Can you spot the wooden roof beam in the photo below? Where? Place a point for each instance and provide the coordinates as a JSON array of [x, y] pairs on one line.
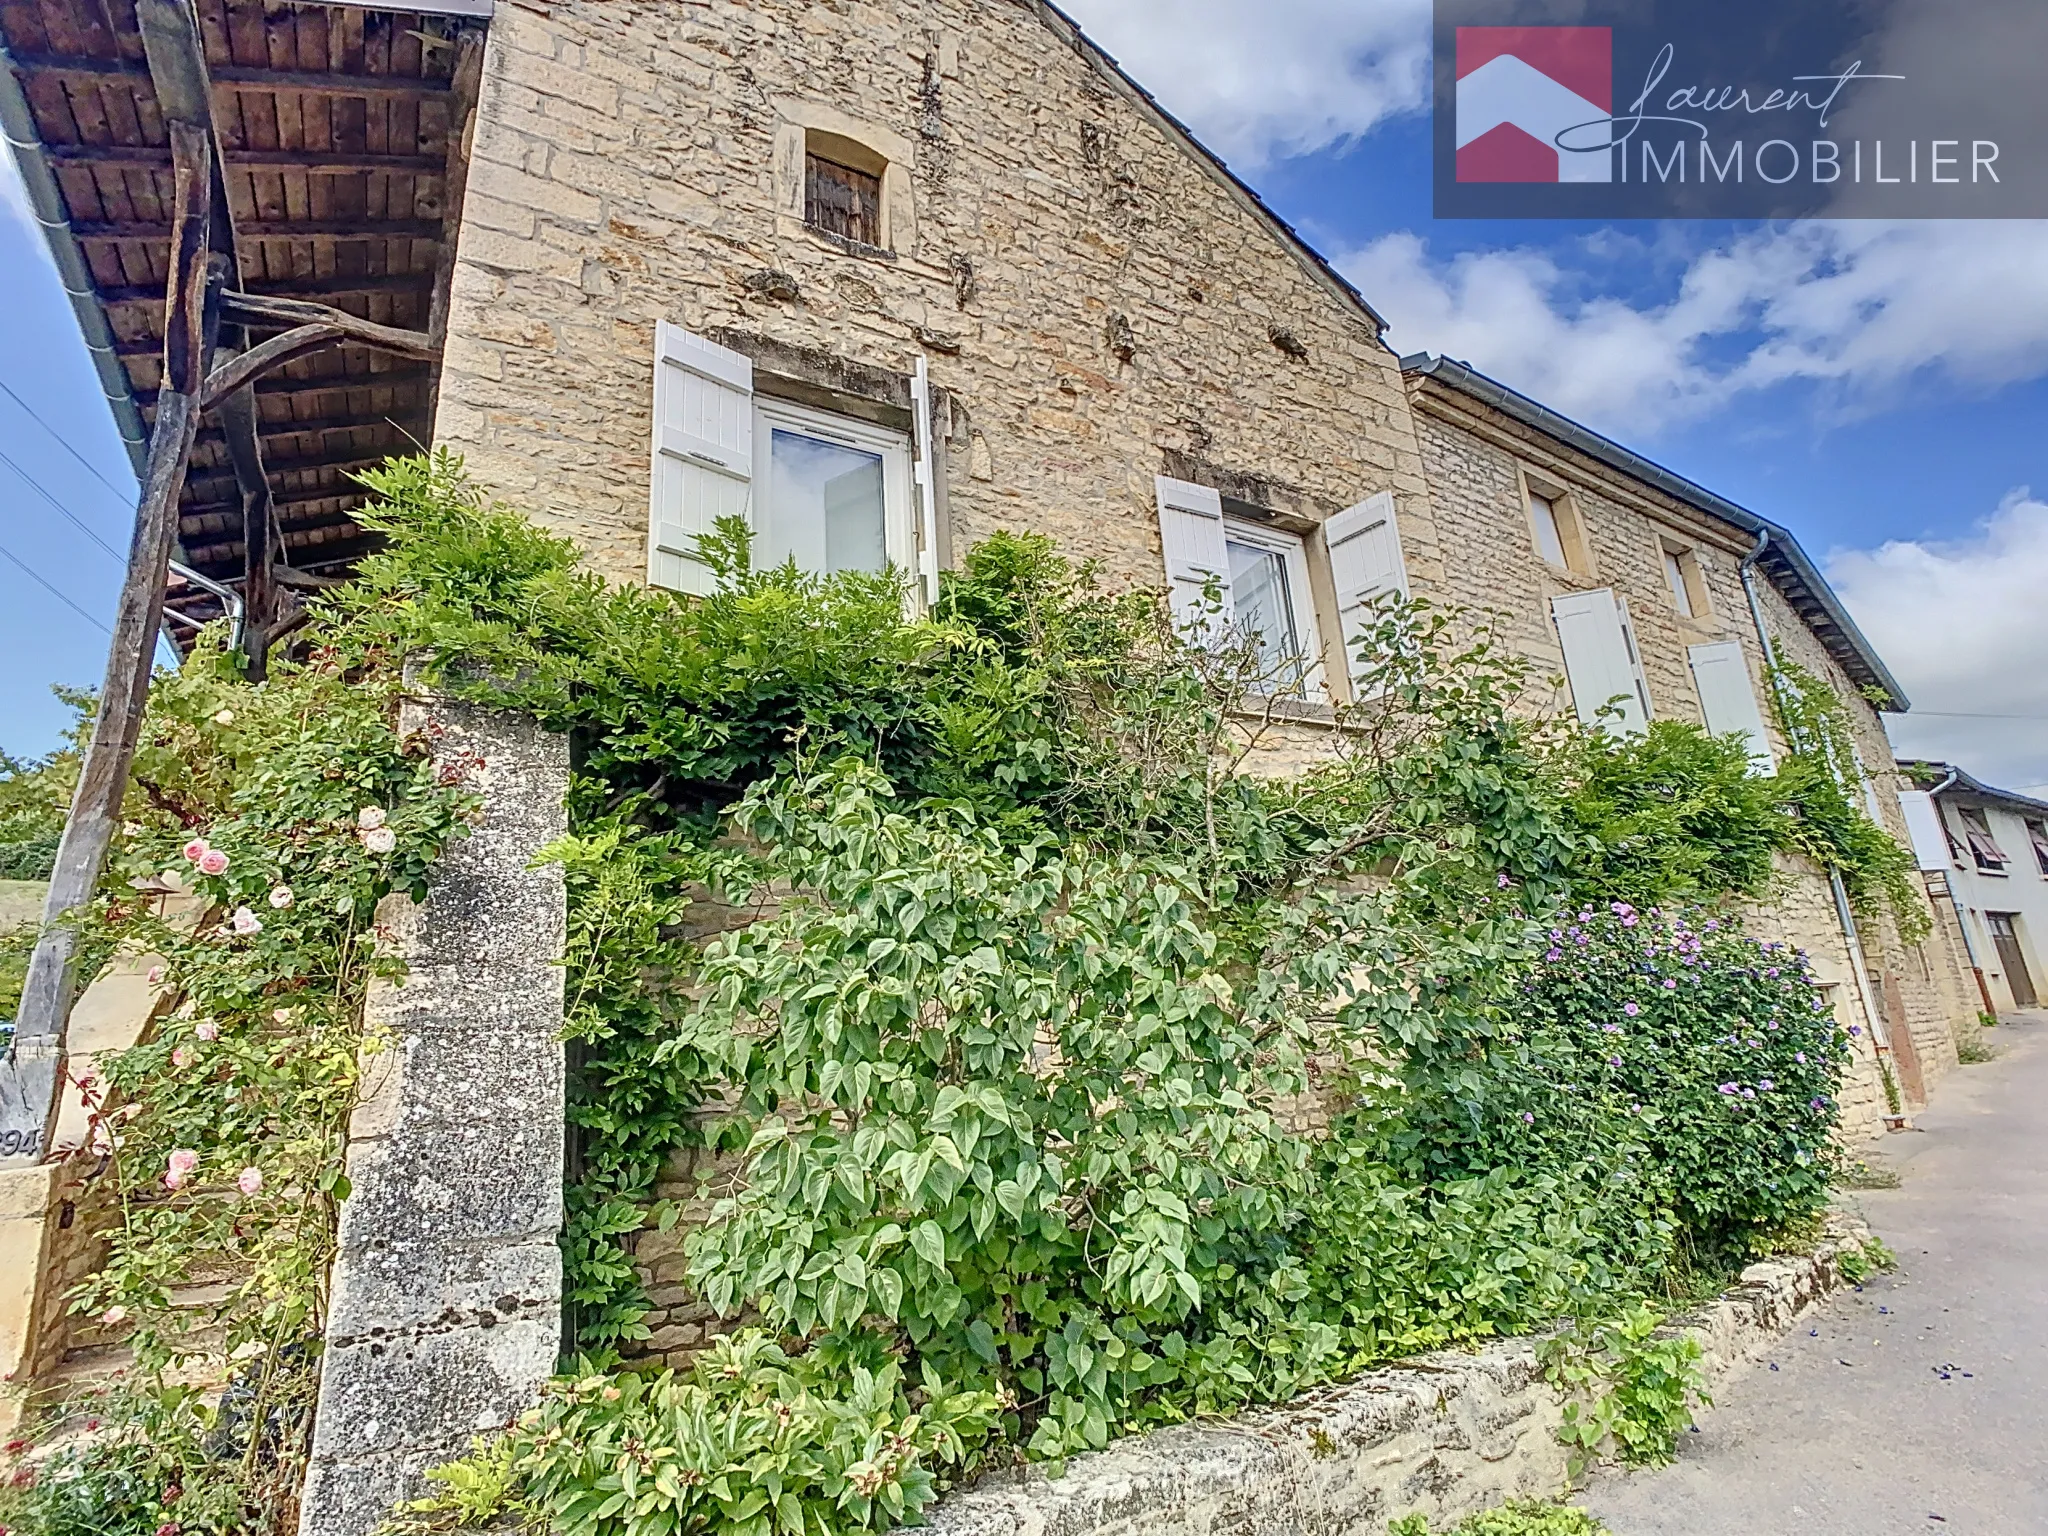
[[270, 229], [289, 288], [236, 77], [148, 157]]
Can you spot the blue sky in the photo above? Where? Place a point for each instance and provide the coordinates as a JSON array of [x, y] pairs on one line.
[[1879, 389]]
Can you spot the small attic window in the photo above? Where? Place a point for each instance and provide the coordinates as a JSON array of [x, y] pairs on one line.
[[843, 188]]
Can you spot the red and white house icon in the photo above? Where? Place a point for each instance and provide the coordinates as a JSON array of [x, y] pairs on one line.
[[1519, 88]]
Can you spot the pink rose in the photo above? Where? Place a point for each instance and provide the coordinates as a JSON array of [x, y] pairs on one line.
[[245, 922], [181, 1058], [213, 862], [183, 1160], [380, 839], [370, 818], [195, 850], [156, 975], [280, 896], [249, 1180], [207, 1029]]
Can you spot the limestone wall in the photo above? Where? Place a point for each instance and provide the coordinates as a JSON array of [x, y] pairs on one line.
[[625, 170], [1447, 1435]]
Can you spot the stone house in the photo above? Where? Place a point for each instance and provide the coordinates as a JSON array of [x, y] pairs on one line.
[[882, 278], [887, 278]]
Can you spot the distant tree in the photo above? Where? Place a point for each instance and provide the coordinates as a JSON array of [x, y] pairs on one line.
[[35, 793]]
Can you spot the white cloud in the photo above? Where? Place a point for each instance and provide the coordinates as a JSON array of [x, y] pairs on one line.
[[1285, 77], [1858, 310], [1963, 626]]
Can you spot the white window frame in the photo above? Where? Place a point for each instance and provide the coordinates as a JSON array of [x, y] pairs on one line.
[[1293, 550], [899, 504]]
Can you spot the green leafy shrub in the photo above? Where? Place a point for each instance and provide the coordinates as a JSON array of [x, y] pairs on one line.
[[752, 1441], [1674, 815], [1630, 1391], [1012, 1070]]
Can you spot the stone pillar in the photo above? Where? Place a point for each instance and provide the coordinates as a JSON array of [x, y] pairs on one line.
[[445, 1316]]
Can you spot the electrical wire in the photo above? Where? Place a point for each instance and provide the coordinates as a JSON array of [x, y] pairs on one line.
[[40, 581], [76, 521], [127, 496]]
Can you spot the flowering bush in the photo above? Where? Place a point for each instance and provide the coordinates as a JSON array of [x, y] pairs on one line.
[[1701, 1064], [219, 1138]]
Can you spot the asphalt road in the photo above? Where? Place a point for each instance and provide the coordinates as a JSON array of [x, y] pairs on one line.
[[1920, 1401]]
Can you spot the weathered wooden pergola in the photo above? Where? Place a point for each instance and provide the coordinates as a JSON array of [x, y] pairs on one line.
[[253, 205]]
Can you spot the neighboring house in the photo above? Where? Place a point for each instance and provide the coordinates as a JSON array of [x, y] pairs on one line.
[[1647, 595], [1992, 846], [883, 279]]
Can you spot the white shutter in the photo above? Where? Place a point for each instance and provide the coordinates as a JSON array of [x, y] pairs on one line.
[[703, 452], [1923, 822], [923, 482], [1599, 658], [1191, 537], [1364, 546], [1728, 699]]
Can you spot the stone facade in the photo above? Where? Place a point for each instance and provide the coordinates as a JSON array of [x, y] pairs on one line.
[[1097, 302]]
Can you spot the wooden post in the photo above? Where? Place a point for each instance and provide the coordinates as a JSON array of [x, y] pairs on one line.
[[259, 589], [33, 1071]]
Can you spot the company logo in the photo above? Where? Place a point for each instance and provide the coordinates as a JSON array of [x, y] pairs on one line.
[[1520, 89]]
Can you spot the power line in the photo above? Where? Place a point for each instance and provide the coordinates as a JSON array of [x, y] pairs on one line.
[[45, 585], [76, 521], [1951, 714], [127, 496]]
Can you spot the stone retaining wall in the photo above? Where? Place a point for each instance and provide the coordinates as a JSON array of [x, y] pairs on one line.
[[1448, 1434], [447, 1285]]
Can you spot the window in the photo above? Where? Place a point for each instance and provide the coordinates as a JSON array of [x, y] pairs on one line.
[[2037, 834], [1549, 542], [830, 493], [1682, 576], [1270, 599], [1983, 846], [1254, 576], [843, 188]]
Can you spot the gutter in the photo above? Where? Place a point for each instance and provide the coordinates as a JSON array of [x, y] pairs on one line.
[[46, 202], [1457, 376]]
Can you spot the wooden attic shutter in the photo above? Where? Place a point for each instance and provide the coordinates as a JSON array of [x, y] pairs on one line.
[[703, 452], [1191, 539], [1600, 660], [1364, 546], [1728, 700]]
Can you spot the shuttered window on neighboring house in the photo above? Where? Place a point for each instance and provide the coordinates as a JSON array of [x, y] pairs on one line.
[[1984, 847], [1363, 543], [1600, 659], [1728, 700], [703, 452]]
